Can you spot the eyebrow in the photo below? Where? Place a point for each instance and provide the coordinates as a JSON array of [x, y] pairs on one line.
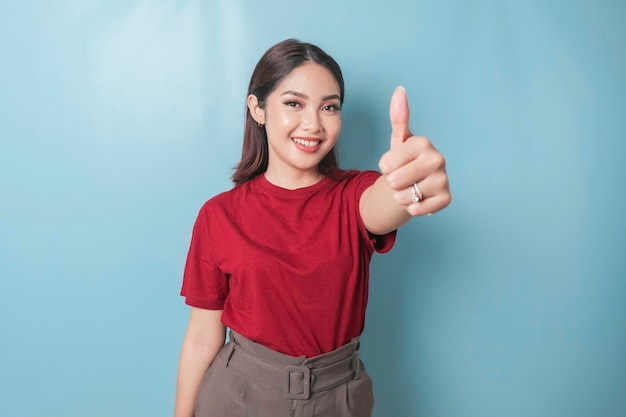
[[304, 96]]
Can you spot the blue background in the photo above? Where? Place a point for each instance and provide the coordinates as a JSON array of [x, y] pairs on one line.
[[118, 119]]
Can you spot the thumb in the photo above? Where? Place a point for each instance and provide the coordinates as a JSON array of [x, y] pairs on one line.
[[399, 116]]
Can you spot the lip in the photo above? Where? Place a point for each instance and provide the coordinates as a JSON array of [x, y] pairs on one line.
[[305, 148]]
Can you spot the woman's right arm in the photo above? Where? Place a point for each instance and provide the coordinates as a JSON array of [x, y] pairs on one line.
[[204, 338]]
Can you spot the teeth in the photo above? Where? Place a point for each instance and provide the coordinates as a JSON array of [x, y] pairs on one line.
[[306, 142]]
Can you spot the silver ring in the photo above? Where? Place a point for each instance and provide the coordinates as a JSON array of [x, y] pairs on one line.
[[417, 194]]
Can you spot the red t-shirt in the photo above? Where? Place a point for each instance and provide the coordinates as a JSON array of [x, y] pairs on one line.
[[290, 268]]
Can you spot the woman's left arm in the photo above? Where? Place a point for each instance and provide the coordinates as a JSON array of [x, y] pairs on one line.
[[412, 169]]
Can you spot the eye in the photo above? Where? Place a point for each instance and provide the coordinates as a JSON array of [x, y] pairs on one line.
[[331, 108], [292, 103]]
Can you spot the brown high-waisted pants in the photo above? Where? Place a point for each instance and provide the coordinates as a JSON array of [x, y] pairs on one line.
[[247, 379]]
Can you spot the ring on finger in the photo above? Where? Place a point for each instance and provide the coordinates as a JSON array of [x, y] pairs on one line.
[[417, 195]]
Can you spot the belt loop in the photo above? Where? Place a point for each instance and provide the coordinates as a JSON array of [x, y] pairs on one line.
[[230, 348], [356, 365]]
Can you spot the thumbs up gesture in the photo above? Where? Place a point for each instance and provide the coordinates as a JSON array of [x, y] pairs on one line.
[[414, 169]]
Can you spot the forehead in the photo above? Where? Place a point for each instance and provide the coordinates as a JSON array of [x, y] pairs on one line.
[[314, 78]]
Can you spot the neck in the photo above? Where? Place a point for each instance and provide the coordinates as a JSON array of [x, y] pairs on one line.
[[292, 182]]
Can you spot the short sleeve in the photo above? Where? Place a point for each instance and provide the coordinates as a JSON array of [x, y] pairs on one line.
[[204, 284], [380, 243]]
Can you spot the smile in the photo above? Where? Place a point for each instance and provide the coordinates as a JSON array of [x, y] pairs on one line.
[[307, 143]]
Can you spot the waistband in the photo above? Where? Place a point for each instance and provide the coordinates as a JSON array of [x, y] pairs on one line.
[[297, 377]]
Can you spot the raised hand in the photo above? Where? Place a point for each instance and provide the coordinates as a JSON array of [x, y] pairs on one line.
[[414, 169]]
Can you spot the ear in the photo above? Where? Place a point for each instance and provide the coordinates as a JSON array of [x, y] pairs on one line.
[[257, 113]]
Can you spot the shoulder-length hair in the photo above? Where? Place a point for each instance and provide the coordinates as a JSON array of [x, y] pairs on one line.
[[278, 62]]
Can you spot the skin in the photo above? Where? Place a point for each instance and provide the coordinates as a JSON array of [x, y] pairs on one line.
[[387, 205], [306, 106], [384, 206], [204, 337]]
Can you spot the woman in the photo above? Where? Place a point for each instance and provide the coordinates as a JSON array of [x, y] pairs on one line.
[[282, 259]]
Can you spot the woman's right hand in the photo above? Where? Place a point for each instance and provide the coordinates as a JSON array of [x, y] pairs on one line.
[[204, 338]]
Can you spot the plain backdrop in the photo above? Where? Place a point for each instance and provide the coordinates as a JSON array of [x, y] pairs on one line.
[[118, 119]]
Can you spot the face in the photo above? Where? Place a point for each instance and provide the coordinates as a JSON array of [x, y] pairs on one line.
[[302, 118]]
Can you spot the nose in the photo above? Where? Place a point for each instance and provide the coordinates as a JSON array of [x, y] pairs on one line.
[[311, 121]]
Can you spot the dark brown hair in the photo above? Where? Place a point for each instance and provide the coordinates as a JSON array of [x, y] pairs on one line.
[[278, 62]]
